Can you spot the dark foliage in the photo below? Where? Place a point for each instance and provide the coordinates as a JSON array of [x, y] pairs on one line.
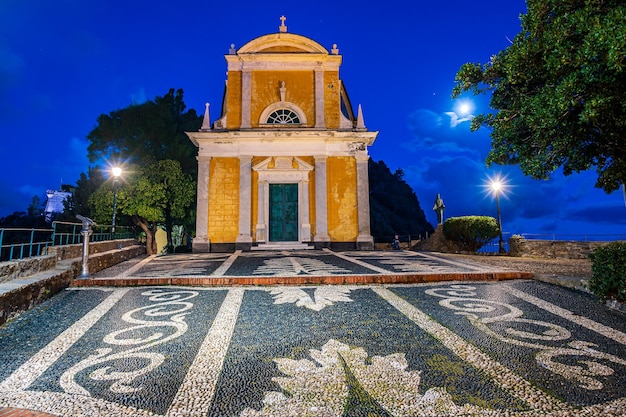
[[394, 207], [471, 232], [608, 264]]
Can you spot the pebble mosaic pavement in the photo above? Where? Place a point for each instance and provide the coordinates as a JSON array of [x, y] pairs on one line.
[[509, 348]]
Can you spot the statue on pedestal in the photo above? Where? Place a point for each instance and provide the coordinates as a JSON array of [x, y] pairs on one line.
[[438, 207]]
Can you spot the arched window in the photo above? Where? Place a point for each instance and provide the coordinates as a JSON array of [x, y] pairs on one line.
[[282, 114], [283, 117]]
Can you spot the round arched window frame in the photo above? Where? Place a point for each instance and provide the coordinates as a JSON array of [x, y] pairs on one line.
[[283, 117], [282, 113]]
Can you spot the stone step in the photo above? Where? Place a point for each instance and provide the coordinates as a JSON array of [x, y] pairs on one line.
[[280, 246]]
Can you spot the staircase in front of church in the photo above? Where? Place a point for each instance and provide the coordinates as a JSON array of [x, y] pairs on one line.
[[280, 246]]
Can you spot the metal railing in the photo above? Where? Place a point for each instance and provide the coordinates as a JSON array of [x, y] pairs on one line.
[[21, 243]]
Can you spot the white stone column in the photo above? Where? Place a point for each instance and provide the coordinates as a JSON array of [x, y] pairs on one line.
[[305, 224], [202, 243], [319, 98], [261, 227], [244, 239], [364, 241], [245, 99], [321, 206]]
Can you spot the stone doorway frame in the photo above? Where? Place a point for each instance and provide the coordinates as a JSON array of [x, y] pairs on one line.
[[283, 170]]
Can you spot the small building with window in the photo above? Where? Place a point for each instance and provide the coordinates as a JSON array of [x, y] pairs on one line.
[[285, 164]]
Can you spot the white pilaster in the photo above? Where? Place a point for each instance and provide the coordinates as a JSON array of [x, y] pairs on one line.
[[321, 206], [319, 99], [261, 227], [201, 242], [245, 203], [245, 99], [303, 199], [365, 240]]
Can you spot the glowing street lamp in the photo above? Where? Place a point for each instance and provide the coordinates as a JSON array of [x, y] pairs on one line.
[[497, 186], [117, 171]]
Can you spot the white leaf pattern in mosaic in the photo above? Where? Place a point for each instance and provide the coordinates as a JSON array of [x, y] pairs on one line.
[[321, 387], [287, 266], [322, 296]]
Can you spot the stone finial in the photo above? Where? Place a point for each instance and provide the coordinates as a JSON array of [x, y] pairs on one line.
[[335, 50], [360, 123], [206, 121], [232, 50], [282, 28]]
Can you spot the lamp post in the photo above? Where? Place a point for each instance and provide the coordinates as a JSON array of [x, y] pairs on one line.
[[117, 171], [496, 186]]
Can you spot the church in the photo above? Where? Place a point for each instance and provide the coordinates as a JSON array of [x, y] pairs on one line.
[[285, 166]]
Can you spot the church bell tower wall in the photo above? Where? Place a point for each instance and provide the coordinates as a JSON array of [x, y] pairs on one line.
[[332, 97], [233, 98], [299, 89]]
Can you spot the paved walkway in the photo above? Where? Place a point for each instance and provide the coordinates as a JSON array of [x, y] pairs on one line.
[[481, 348], [296, 268]]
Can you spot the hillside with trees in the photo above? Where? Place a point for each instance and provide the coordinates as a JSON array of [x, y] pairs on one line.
[[394, 207]]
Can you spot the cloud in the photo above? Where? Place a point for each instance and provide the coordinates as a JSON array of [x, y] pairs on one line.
[[455, 120], [611, 215], [424, 122]]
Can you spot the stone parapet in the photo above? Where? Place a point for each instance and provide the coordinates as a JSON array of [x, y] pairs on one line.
[[76, 251], [566, 249], [25, 291]]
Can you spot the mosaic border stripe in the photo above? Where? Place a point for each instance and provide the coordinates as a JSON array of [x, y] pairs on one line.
[[501, 375], [26, 374]]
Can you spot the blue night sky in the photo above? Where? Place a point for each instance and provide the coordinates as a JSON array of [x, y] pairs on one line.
[[65, 62]]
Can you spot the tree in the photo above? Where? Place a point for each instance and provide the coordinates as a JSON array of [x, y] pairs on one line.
[[471, 232], [394, 207], [145, 133], [150, 196], [559, 91]]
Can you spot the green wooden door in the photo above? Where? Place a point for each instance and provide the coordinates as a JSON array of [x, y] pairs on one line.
[[283, 212]]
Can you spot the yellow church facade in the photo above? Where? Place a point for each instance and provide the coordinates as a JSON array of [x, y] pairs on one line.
[[285, 164]]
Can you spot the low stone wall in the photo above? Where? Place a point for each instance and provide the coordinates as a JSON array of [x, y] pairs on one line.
[[26, 267], [30, 266], [33, 289], [76, 251], [566, 249]]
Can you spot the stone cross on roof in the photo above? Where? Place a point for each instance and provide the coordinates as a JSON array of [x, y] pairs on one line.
[[282, 28]]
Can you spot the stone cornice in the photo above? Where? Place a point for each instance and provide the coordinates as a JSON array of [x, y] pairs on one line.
[[282, 61], [216, 137]]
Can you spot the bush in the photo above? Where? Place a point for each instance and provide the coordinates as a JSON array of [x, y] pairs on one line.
[[608, 265], [471, 232]]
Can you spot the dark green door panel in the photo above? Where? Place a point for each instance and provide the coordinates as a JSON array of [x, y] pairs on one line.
[[283, 212]]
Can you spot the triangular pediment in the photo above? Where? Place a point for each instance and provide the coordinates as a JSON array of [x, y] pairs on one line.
[[283, 163]]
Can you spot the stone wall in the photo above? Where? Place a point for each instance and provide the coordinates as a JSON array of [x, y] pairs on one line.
[[40, 284], [437, 243], [25, 267], [552, 248]]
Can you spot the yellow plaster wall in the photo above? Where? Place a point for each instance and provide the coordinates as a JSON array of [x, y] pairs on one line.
[[332, 96], [224, 200], [265, 86], [233, 100], [342, 199]]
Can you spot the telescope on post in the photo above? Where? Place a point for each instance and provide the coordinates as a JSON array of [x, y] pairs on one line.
[[85, 233]]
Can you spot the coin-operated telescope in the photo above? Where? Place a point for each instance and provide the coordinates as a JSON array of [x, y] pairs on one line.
[[85, 233]]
